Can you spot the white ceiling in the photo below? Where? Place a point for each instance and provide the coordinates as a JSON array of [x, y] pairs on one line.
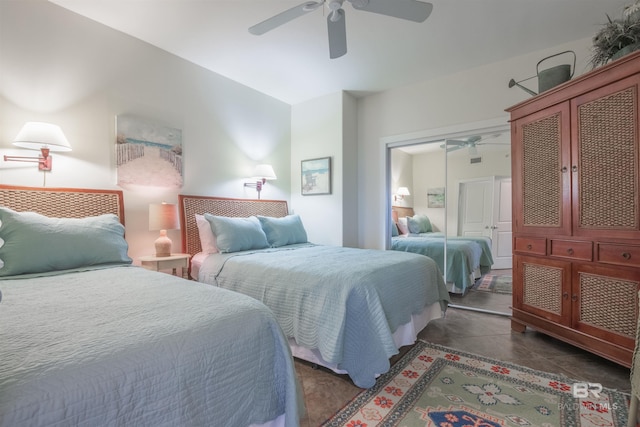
[[291, 63]]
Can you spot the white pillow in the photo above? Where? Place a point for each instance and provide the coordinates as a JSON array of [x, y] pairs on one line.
[[207, 238], [403, 227]]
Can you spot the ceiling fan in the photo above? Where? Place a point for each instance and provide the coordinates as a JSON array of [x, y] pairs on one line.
[[470, 143], [412, 10]]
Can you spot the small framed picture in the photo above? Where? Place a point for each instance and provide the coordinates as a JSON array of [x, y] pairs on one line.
[[316, 176], [435, 197]]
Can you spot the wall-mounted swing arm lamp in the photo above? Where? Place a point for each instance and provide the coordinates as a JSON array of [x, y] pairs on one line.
[[402, 191], [45, 137], [261, 174]]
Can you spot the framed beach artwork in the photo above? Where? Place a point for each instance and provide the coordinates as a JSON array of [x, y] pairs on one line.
[[148, 153], [435, 197], [316, 176]]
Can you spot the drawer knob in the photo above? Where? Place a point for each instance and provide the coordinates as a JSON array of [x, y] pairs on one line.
[[626, 255], [570, 251], [529, 247], [574, 297]]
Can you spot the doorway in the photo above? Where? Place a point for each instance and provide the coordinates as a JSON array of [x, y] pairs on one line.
[[485, 210]]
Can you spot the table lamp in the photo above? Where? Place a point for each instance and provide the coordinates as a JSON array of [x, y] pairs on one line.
[[163, 217]]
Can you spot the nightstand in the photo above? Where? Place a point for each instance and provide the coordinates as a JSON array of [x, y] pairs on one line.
[[173, 261]]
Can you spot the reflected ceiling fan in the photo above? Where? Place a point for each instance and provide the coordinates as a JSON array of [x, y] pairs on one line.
[[470, 143], [412, 10]]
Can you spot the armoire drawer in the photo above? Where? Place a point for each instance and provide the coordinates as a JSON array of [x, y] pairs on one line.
[[572, 249], [611, 253], [531, 245]]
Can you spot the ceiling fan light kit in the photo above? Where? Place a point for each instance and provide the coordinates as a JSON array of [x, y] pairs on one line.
[[411, 10]]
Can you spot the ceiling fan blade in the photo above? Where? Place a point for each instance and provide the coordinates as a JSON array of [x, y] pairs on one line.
[[474, 139], [337, 29], [456, 142], [412, 10], [284, 17], [453, 145]]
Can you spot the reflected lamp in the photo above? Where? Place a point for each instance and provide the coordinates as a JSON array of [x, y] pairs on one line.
[[401, 193]]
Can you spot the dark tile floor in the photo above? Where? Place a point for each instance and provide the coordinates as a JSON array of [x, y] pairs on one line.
[[476, 332]]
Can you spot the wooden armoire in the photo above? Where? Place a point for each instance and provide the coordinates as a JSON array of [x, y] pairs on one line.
[[576, 226]]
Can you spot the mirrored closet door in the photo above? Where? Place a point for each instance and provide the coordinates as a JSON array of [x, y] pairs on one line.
[[462, 183]]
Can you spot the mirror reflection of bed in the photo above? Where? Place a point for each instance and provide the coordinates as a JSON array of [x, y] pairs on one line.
[[471, 172]]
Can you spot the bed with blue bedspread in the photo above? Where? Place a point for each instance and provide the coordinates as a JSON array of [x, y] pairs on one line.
[[345, 308], [467, 257], [88, 339]]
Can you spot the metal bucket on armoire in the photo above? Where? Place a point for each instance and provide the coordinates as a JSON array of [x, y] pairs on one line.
[[549, 77]]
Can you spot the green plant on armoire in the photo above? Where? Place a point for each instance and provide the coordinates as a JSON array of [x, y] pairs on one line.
[[618, 37]]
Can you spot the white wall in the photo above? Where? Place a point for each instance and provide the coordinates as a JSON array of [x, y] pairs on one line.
[[476, 95], [429, 172], [317, 131], [402, 176], [350, 213], [59, 67]]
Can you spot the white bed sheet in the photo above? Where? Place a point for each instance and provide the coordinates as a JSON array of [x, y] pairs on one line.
[[196, 263], [404, 335]]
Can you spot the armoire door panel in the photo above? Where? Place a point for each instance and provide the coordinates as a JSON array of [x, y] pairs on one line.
[[605, 153], [544, 287], [542, 186], [605, 302]]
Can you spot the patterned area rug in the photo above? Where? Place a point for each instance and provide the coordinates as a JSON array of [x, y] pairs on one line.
[[500, 284], [435, 386]]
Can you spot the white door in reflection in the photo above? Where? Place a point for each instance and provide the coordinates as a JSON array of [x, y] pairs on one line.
[[485, 210]]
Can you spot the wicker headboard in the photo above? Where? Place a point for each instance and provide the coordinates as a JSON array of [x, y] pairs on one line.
[[400, 211], [63, 202], [192, 205]]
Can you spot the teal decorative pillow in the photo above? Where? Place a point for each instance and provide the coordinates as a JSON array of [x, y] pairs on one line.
[[33, 243], [419, 224], [394, 230], [287, 230], [237, 234]]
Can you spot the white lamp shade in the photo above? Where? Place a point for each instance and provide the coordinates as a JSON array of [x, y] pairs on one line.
[[264, 172], [36, 135], [403, 191], [163, 216]]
